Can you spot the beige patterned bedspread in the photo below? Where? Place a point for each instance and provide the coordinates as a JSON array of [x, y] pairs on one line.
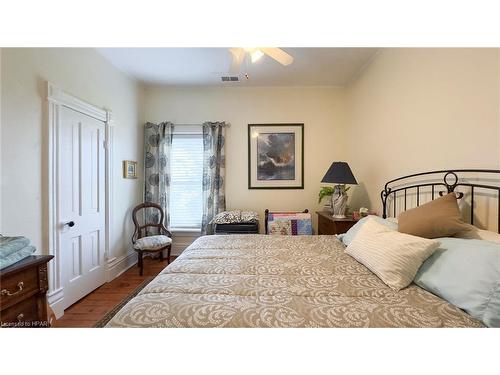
[[279, 281]]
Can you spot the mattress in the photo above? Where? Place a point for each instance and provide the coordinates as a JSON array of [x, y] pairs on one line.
[[279, 281]]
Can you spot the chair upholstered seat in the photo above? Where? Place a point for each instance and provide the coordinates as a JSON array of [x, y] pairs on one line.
[[152, 242]]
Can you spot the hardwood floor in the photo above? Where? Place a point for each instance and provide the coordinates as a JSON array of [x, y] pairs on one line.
[[92, 308]]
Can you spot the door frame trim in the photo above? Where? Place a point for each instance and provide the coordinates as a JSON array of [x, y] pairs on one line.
[[56, 100]]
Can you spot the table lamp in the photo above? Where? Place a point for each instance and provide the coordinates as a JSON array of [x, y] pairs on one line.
[[340, 174]]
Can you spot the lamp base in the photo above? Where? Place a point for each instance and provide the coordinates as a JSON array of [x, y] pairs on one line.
[[339, 202], [339, 216]]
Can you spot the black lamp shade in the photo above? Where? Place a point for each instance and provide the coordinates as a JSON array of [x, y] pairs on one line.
[[339, 173]]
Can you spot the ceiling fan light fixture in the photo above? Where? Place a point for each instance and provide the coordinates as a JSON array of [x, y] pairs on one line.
[[256, 55], [239, 56]]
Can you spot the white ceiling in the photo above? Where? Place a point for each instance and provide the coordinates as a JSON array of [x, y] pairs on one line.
[[204, 66]]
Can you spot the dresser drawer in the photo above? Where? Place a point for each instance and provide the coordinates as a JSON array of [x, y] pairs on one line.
[[20, 315], [19, 286]]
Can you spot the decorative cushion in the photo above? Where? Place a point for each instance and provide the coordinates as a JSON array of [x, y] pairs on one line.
[[466, 273], [235, 216], [227, 217], [438, 218], [152, 242], [394, 257], [249, 216]]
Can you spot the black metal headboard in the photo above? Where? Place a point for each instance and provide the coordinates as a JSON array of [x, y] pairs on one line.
[[436, 182]]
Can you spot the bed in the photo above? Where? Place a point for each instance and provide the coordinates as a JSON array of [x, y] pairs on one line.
[[274, 281], [280, 281]]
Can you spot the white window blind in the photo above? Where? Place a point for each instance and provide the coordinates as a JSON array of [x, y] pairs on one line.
[[186, 170]]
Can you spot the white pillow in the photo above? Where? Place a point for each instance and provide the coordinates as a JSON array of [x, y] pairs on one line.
[[479, 234], [392, 220], [351, 234], [393, 256]]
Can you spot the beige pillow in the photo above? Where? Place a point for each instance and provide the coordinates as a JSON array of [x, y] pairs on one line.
[[394, 257], [438, 218]]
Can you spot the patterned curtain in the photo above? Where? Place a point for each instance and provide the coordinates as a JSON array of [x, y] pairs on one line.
[[157, 146], [214, 170]]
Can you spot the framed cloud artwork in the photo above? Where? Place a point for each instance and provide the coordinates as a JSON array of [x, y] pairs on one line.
[[276, 156]]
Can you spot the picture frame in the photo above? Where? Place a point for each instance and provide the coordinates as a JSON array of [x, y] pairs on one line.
[[129, 169], [276, 156]]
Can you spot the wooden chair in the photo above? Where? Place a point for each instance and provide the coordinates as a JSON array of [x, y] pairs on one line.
[[144, 243]]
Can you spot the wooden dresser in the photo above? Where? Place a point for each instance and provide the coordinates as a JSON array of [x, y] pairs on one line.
[[23, 286], [328, 225]]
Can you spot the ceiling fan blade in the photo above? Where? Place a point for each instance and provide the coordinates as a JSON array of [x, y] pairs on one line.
[[238, 55], [279, 55]]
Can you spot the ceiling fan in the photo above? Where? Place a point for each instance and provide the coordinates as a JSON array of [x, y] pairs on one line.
[[255, 53]]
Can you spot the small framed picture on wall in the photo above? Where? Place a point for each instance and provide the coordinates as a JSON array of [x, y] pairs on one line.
[[276, 156], [129, 169]]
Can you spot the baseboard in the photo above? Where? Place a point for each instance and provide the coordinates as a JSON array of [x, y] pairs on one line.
[[117, 266], [55, 301]]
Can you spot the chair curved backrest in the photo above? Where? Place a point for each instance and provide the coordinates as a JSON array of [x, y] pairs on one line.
[[141, 230]]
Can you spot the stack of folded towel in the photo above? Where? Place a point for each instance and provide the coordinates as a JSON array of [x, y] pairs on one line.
[[14, 249]]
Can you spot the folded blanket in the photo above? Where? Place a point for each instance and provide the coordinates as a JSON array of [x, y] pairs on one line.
[[17, 256], [10, 245], [289, 224]]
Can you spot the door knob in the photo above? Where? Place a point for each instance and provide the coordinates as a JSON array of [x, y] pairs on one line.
[[70, 224]]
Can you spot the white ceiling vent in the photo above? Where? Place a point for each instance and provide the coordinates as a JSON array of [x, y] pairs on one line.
[[229, 78]]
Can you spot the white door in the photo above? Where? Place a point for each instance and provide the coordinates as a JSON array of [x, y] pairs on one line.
[[82, 204]]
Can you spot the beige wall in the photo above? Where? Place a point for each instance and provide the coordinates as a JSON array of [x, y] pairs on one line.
[[87, 75], [410, 110], [321, 109], [415, 110]]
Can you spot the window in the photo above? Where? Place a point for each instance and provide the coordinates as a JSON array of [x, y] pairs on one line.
[[186, 171]]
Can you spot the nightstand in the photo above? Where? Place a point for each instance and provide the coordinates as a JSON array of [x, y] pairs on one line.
[[328, 225]]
